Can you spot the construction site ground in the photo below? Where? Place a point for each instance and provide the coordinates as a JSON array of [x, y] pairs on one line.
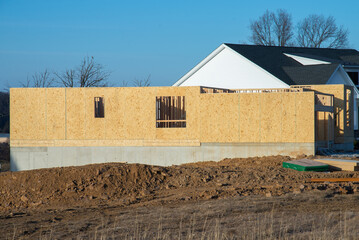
[[253, 198]]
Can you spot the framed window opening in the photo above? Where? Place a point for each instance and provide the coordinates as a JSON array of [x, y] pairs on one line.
[[170, 112]]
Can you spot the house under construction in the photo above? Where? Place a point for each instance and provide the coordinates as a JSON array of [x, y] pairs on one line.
[[54, 127]]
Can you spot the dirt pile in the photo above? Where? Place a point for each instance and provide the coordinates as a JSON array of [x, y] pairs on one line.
[[125, 184]]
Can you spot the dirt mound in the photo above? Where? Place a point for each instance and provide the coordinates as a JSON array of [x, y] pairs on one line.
[[125, 184]]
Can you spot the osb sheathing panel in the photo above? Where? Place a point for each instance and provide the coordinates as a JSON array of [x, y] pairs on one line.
[[249, 117], [176, 91], [321, 126], [37, 114], [114, 113], [288, 120], [94, 127], [102, 143], [55, 109], [18, 112], [28, 113], [324, 126], [75, 113], [271, 117], [305, 117], [276, 117], [139, 106], [219, 117], [171, 133], [193, 118]]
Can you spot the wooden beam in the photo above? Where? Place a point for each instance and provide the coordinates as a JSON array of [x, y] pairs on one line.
[[334, 179]]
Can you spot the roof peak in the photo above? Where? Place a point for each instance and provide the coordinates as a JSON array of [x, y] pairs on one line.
[[288, 47]]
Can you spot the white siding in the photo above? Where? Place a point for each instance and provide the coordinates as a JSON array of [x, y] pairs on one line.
[[337, 78], [306, 61], [229, 69]]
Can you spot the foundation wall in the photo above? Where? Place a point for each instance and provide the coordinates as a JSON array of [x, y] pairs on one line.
[[27, 158]]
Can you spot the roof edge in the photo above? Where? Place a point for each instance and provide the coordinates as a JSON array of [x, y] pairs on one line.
[[200, 65]]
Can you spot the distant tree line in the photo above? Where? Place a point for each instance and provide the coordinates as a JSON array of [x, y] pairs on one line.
[[316, 31]]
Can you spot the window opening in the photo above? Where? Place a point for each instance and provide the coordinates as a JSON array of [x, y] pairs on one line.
[[99, 107], [170, 112], [354, 77], [347, 107]]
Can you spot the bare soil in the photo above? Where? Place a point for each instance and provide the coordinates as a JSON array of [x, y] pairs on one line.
[[249, 198]]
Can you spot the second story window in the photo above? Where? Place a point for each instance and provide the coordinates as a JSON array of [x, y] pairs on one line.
[[354, 77]]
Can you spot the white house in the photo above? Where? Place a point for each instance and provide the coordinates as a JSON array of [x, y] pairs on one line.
[[238, 66]]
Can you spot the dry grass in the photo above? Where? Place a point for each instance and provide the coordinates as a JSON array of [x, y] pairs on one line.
[[341, 225], [242, 218]]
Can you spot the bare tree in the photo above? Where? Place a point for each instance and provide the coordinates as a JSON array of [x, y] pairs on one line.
[[92, 74], [317, 31], [88, 74], [67, 78], [283, 28], [272, 29], [124, 83], [40, 80], [142, 82]]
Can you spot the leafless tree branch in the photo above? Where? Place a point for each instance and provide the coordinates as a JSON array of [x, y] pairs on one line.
[[40, 80], [67, 78], [142, 82], [276, 29], [272, 29], [317, 31], [88, 74], [92, 74]]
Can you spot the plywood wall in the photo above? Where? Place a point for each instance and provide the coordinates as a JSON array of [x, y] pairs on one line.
[[219, 117], [68, 114], [342, 132], [250, 115], [256, 117], [62, 117], [28, 114], [55, 113]]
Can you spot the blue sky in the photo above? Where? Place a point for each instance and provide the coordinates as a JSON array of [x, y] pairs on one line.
[[134, 39]]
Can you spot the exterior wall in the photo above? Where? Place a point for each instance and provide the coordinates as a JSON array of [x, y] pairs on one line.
[[65, 117], [255, 117], [58, 123], [39, 118], [229, 69], [340, 77], [344, 124]]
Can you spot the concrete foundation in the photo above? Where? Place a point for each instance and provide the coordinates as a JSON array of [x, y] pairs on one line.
[[27, 158]]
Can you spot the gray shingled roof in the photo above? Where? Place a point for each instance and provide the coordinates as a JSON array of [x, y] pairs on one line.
[[311, 74], [273, 60]]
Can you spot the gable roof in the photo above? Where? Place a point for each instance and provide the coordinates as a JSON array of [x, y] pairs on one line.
[[285, 68], [312, 74]]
